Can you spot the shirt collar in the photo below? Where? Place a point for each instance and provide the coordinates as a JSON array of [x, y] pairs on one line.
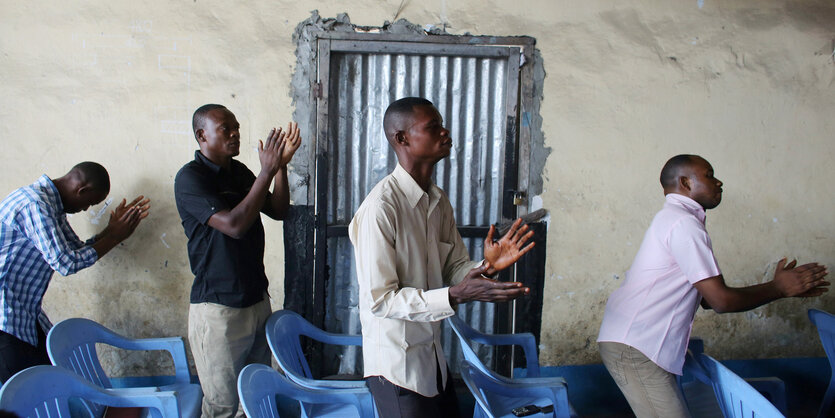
[[411, 189], [51, 192], [688, 204], [199, 157]]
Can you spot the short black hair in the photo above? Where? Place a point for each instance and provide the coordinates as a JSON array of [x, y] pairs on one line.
[[94, 175], [199, 117], [397, 109], [670, 172]]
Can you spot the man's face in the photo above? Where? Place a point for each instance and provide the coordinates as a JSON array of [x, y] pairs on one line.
[[221, 137], [705, 189], [82, 200], [427, 138]]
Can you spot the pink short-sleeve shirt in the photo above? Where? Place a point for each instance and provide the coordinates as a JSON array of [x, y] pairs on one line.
[[653, 309]]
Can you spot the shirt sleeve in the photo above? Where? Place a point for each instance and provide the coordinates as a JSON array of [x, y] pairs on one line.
[[45, 231], [692, 250], [458, 263], [197, 195], [373, 236]]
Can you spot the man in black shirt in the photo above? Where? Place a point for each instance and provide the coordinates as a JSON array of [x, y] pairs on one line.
[[220, 201]]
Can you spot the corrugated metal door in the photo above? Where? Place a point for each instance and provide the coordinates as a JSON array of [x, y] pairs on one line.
[[475, 89]]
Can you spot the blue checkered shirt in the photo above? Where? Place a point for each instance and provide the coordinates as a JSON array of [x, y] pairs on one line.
[[35, 240]]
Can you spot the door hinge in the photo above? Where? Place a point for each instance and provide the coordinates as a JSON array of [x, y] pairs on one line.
[[317, 89]]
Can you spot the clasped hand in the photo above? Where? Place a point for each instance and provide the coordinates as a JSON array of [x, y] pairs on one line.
[[126, 217], [801, 281], [280, 147]]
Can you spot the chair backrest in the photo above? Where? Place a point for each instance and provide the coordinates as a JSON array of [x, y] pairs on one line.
[[45, 391], [825, 323], [284, 329], [466, 335], [258, 385], [736, 397], [474, 379], [72, 344]]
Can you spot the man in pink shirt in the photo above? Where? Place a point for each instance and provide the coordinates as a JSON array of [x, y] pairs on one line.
[[646, 326]]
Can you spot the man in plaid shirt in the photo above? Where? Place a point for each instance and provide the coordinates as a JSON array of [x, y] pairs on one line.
[[36, 239]]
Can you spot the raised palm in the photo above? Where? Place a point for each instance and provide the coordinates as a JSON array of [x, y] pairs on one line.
[[503, 253], [293, 140]]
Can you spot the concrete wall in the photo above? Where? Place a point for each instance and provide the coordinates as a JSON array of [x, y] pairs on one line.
[[747, 84]]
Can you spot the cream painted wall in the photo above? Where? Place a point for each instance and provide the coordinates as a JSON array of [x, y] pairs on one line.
[[747, 84]]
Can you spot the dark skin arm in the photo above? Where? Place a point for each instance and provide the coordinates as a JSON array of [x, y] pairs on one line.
[[789, 281], [498, 255], [237, 221]]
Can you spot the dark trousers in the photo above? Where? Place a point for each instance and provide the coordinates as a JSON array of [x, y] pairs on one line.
[[16, 354], [396, 402]]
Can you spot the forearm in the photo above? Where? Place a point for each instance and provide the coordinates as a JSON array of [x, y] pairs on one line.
[[104, 243], [237, 221], [411, 304], [740, 299], [280, 198]]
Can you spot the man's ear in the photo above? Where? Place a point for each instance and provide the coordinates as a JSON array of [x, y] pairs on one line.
[[400, 138], [199, 135], [684, 182], [83, 190]]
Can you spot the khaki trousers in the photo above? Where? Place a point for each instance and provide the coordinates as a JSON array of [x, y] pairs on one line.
[[223, 340], [650, 390]]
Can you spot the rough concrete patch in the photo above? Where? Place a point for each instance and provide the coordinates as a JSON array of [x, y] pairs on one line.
[[539, 152], [305, 109]]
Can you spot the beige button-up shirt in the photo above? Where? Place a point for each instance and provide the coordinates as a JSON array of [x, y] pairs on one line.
[[407, 250]]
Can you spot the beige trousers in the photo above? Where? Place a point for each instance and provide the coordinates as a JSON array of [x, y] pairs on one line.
[[650, 390], [223, 340]]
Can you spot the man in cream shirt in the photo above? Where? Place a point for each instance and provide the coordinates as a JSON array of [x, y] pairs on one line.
[[413, 267]]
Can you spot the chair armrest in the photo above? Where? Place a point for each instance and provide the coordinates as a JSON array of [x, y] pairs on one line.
[[326, 384], [526, 340], [175, 346], [165, 402], [332, 338]]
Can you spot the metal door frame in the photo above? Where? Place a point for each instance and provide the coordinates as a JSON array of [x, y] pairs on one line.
[[517, 139]]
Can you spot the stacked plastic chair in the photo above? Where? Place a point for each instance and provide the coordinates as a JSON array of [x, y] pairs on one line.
[[259, 384], [737, 399], [284, 331], [496, 395], [72, 345], [45, 391], [825, 323]]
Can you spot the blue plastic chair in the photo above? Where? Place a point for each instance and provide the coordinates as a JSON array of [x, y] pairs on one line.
[[825, 323], [695, 380], [525, 340], [284, 331], [496, 399], [45, 391], [737, 399], [556, 385], [72, 345], [258, 385]]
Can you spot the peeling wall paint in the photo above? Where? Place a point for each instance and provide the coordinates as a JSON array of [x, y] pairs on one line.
[[748, 85]]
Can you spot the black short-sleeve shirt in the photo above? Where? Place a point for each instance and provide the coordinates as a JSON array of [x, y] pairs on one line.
[[227, 271]]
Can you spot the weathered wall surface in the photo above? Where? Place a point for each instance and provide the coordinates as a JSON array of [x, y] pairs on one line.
[[747, 84]]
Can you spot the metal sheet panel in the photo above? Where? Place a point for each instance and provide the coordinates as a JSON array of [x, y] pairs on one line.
[[471, 94]]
